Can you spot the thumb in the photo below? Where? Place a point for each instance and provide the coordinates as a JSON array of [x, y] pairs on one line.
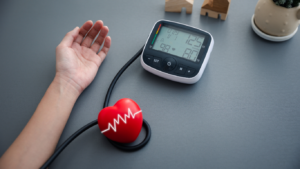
[[70, 37]]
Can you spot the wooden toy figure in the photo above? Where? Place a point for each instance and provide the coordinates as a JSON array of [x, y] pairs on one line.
[[215, 7], [177, 5]]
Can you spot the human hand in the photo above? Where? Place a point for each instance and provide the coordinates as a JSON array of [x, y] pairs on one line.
[[77, 60]]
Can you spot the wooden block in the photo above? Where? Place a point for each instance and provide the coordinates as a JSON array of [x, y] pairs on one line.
[[215, 7], [177, 5]]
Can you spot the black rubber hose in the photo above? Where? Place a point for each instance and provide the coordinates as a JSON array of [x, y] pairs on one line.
[[113, 83], [67, 142], [95, 122], [125, 147]]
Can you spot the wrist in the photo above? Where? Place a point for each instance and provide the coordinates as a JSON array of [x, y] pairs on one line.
[[66, 86]]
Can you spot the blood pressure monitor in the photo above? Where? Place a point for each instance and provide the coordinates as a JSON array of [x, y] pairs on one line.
[[173, 51], [176, 51]]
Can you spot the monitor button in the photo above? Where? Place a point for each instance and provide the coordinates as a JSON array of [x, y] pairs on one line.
[[148, 59], [180, 69], [157, 61], [189, 71], [169, 64]]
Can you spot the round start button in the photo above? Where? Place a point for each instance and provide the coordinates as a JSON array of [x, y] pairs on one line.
[[169, 63]]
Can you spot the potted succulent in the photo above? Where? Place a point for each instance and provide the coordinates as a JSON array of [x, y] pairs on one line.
[[276, 20]]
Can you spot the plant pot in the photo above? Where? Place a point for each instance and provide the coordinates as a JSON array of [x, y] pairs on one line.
[[276, 21]]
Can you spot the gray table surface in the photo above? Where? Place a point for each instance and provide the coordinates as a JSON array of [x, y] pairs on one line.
[[243, 113]]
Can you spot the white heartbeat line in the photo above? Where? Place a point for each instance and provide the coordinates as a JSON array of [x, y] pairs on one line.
[[118, 120]]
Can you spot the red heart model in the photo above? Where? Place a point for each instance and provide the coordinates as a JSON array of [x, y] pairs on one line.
[[122, 122]]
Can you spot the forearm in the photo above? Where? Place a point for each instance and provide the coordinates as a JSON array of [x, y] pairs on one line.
[[77, 63], [38, 139]]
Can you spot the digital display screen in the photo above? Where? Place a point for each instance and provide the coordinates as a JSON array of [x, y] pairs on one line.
[[178, 42]]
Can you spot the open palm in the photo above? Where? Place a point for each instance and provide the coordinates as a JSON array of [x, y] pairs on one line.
[[77, 60]]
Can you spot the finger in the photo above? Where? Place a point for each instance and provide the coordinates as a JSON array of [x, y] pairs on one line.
[[70, 37], [83, 31], [98, 42], [87, 41], [103, 52]]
